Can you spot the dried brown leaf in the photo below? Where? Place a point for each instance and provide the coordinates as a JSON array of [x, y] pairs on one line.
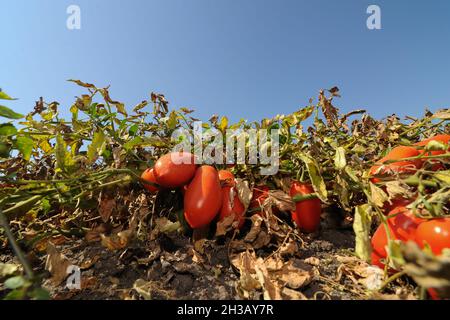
[[57, 264]]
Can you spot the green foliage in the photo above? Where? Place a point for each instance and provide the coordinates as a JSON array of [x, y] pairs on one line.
[[54, 167]]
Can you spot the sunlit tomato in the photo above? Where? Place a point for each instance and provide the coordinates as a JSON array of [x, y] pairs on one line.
[[175, 169], [203, 197], [399, 166], [226, 178], [436, 233], [307, 212], [444, 138], [402, 224], [232, 206], [149, 176]]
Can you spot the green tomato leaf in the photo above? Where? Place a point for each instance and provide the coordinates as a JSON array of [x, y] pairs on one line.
[[8, 113], [132, 143], [64, 159], [7, 129], [339, 158], [15, 282], [223, 124], [40, 294], [4, 96], [316, 178], [25, 145], [97, 146], [172, 121], [444, 176], [361, 225], [7, 269]]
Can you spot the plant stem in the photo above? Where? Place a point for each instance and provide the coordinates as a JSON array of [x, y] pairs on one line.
[[20, 255], [300, 198]]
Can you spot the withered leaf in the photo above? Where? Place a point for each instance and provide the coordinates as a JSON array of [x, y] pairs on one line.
[[57, 264]]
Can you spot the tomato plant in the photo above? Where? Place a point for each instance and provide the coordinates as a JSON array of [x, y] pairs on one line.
[[203, 197], [436, 163], [397, 167]]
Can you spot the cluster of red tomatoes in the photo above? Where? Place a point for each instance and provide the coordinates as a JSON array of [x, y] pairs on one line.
[[402, 223], [209, 193]]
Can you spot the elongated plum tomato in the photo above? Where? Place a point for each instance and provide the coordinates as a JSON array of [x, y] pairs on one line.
[[436, 233], [230, 206], [399, 166], [445, 139], [149, 176], [307, 212], [203, 197], [175, 169], [402, 224]]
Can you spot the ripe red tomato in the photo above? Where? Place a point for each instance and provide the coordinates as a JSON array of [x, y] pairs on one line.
[[307, 212], [175, 169], [149, 175], [436, 233], [203, 197], [399, 166], [402, 224], [227, 178], [444, 138]]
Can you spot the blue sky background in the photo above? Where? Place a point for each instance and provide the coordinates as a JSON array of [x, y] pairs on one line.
[[242, 58]]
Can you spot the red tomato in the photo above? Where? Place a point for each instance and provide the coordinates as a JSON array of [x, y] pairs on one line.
[[307, 212], [175, 169], [444, 138], [149, 175], [399, 166], [433, 294], [203, 197], [402, 224], [227, 178], [230, 207], [436, 233]]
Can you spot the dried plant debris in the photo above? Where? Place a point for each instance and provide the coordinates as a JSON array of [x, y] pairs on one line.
[[72, 195]]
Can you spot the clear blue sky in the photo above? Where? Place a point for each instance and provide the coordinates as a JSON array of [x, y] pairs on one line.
[[242, 58]]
